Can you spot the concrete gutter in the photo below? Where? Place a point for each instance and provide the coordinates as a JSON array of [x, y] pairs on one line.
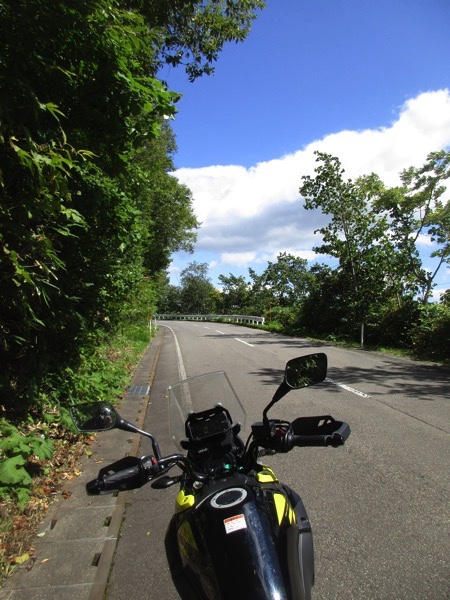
[[75, 543]]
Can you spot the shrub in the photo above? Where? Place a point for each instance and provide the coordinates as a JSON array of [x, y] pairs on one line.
[[431, 335], [17, 451]]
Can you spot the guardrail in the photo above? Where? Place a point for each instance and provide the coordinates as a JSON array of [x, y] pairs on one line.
[[231, 318]]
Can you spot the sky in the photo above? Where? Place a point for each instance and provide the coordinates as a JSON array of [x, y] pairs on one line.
[[368, 82]]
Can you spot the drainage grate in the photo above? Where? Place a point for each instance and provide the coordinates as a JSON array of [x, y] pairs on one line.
[[139, 390]]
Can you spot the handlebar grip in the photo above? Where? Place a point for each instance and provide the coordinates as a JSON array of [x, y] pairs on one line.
[[309, 440], [126, 474], [125, 479], [334, 439], [319, 431]]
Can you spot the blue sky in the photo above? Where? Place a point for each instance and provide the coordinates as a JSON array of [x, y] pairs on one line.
[[366, 81]]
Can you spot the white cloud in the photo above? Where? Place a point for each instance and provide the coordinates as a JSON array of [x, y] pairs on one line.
[[423, 125], [250, 214], [239, 259]]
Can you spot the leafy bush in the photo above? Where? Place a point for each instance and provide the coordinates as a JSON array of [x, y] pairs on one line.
[[391, 325], [286, 316], [431, 334], [17, 452]]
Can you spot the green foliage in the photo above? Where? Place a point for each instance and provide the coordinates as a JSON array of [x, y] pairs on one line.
[[324, 311], [197, 292], [374, 233], [445, 298], [431, 333], [16, 452], [170, 299], [77, 103], [235, 294], [283, 318], [275, 327], [195, 32], [414, 212], [89, 210], [283, 283], [355, 235], [103, 373], [391, 325]]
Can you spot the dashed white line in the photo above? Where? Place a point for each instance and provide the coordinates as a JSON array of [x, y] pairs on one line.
[[242, 342], [348, 388]]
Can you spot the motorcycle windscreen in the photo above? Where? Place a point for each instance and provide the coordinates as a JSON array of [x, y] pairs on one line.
[[241, 553]]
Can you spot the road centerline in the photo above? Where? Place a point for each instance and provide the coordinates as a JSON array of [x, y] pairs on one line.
[[242, 342], [348, 388]]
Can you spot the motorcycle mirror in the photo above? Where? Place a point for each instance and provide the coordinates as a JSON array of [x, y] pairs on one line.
[[300, 372], [94, 416], [306, 370], [102, 416]]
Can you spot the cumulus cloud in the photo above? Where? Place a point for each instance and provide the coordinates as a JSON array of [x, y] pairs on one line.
[[250, 214]]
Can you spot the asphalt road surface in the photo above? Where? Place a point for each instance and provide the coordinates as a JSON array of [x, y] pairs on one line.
[[379, 506]]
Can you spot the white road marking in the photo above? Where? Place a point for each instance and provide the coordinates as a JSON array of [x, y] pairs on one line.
[[348, 388], [221, 332], [242, 342], [181, 369]]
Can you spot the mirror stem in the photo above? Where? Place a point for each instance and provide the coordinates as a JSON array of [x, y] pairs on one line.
[[127, 426]]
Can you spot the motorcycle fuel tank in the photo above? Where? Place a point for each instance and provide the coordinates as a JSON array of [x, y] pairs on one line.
[[243, 539]]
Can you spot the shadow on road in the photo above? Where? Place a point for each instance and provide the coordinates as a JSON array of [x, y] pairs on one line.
[[391, 377]]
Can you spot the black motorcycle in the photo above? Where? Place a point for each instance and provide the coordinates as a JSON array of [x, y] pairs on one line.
[[237, 532]]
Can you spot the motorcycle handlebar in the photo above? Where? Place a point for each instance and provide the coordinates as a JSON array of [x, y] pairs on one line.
[[121, 480], [334, 440], [127, 473], [306, 432], [131, 472]]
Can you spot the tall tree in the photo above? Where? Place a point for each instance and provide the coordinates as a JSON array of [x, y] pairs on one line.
[[79, 98], [355, 235], [287, 279], [324, 311], [235, 293], [415, 212], [197, 292]]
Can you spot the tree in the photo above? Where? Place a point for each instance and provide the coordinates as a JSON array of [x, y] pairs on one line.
[[235, 293], [417, 210], [280, 289], [445, 298], [197, 292], [195, 31], [287, 279], [324, 311], [88, 208], [169, 298], [165, 205], [355, 235]]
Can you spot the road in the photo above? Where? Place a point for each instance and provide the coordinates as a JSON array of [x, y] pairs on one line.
[[378, 506]]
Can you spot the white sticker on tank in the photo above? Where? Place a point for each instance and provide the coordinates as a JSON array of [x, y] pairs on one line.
[[235, 523]]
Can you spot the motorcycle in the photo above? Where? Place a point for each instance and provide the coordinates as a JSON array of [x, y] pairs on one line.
[[237, 531]]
